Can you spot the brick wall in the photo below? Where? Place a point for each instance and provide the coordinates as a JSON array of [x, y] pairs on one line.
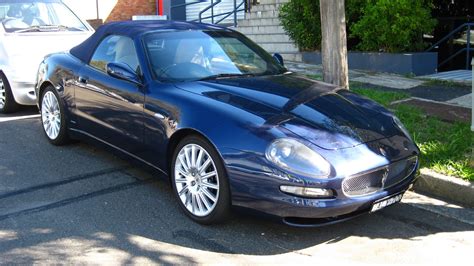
[[125, 9]]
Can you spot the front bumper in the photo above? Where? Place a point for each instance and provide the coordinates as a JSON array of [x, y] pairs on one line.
[[267, 198]]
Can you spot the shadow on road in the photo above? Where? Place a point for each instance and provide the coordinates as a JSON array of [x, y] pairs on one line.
[[24, 110], [88, 211], [150, 225]]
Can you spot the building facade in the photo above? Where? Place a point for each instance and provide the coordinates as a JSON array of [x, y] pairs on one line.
[[116, 10], [112, 10]]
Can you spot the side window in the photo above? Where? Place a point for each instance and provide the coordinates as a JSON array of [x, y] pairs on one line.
[[117, 49], [3, 11]]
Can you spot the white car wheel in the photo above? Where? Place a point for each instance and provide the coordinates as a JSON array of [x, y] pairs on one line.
[[53, 117], [199, 181]]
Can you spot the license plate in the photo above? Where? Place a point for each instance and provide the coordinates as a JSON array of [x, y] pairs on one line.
[[386, 202]]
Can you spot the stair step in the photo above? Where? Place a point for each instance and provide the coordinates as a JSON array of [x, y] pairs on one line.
[[293, 57], [263, 26], [266, 7], [258, 38], [273, 2], [279, 47], [259, 22], [262, 14], [261, 29], [289, 56]]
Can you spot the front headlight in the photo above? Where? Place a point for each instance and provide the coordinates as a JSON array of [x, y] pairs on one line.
[[298, 158], [400, 125]]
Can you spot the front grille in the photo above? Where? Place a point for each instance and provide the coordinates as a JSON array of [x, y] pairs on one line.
[[381, 178]]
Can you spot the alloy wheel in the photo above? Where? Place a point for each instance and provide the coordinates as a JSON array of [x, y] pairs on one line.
[[51, 115], [3, 94], [196, 180]]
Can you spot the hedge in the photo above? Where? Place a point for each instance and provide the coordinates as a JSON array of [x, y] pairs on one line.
[[372, 25]]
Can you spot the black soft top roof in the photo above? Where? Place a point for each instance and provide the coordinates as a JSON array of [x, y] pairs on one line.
[[133, 29]]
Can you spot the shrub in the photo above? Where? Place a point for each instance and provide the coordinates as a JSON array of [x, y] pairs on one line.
[[372, 25], [394, 25], [302, 22]]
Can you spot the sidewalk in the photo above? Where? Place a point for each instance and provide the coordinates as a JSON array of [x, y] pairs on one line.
[[464, 76]]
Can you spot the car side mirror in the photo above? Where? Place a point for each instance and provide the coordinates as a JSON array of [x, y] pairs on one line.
[[279, 59], [123, 71]]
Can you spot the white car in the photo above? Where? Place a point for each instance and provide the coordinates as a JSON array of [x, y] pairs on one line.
[[30, 30]]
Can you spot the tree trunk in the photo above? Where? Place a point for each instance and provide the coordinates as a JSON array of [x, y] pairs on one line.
[[334, 43]]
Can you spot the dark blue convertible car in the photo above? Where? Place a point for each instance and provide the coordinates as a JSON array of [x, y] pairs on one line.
[[227, 123]]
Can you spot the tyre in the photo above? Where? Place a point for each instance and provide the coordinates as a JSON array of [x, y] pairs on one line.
[[53, 117], [7, 102], [199, 181]]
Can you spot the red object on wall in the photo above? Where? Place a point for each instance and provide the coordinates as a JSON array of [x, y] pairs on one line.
[[160, 7]]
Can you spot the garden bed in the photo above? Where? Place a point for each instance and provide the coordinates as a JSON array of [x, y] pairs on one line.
[[423, 63], [443, 111]]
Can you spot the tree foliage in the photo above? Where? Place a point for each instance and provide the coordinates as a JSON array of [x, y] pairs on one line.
[[372, 25], [393, 25], [302, 21]]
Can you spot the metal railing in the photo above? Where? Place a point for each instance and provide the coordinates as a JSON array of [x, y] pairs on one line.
[[188, 4], [217, 18], [249, 4], [468, 49]]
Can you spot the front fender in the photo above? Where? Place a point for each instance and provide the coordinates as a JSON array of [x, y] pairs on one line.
[[227, 127], [57, 70]]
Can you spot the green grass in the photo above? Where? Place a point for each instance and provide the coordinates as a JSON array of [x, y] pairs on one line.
[[315, 76], [382, 97], [443, 83], [445, 148], [409, 75]]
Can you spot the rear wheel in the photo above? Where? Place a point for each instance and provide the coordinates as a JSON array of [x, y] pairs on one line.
[[200, 182], [7, 102], [53, 117]]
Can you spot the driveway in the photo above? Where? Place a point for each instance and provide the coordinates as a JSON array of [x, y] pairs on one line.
[[81, 204]]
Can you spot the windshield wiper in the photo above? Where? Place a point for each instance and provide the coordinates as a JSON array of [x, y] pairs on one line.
[[226, 75], [48, 28], [63, 27]]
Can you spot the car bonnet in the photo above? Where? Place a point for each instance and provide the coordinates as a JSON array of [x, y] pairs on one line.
[[329, 117]]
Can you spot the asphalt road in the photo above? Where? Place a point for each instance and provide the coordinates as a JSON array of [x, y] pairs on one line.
[[80, 204]]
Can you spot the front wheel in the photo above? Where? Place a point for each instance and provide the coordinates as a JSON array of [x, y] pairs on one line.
[[53, 117], [199, 181]]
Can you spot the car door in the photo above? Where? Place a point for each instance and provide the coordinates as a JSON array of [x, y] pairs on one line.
[[108, 108]]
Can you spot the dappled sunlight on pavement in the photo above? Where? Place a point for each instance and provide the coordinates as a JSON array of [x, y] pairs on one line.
[[79, 204]]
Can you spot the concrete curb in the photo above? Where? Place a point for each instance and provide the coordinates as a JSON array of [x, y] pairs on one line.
[[450, 188]]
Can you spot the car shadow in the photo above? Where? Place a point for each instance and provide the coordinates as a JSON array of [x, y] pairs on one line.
[[254, 235], [23, 111], [145, 222], [139, 221]]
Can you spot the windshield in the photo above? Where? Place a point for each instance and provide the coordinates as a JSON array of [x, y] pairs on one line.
[[23, 16], [198, 55]]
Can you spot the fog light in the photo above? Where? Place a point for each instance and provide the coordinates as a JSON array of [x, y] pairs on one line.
[[308, 192]]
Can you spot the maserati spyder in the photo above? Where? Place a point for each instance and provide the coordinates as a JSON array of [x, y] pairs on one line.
[[227, 123]]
